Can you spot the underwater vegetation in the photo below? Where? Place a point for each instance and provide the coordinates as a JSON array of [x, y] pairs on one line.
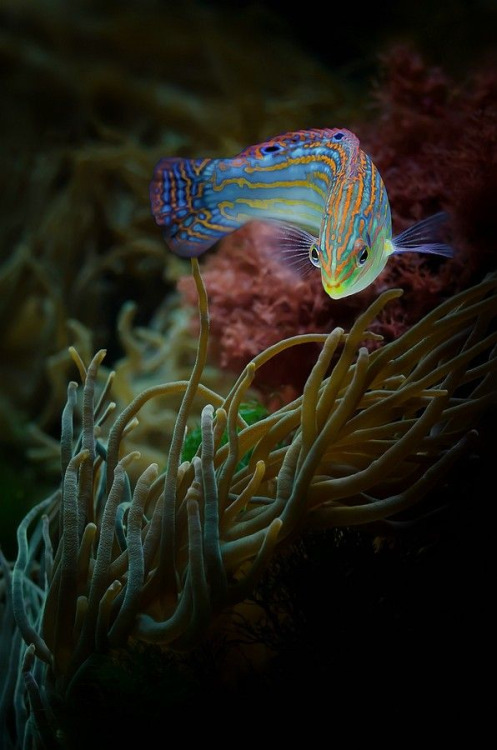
[[108, 560], [77, 241]]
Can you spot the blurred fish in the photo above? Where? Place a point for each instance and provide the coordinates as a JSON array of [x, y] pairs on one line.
[[324, 195]]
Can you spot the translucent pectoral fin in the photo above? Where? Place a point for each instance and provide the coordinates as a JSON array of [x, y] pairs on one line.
[[424, 237], [292, 245]]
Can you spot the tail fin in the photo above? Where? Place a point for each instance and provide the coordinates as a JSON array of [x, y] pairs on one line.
[[176, 196]]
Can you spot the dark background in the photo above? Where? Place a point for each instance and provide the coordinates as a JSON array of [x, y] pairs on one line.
[[414, 616]]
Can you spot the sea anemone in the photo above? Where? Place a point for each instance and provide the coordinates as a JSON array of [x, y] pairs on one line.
[[108, 561]]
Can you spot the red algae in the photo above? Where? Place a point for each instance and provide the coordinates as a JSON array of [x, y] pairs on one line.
[[435, 144]]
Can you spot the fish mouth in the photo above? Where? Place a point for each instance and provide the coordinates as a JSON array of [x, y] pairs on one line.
[[335, 291]]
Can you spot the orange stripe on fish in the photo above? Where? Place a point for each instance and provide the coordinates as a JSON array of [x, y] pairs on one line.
[[321, 191]]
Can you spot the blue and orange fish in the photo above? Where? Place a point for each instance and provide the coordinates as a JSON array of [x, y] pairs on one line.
[[323, 193]]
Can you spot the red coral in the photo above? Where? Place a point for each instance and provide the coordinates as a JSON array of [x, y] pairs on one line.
[[436, 147]]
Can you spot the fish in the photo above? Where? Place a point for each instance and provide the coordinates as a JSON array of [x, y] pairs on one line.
[[323, 194]]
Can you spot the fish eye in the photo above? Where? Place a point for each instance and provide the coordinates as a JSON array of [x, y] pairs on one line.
[[363, 256], [270, 149], [314, 256], [337, 136]]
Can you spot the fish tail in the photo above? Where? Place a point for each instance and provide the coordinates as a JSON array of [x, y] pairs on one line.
[[424, 237], [178, 205]]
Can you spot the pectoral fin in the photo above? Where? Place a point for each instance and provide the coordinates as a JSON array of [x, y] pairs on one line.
[[424, 237]]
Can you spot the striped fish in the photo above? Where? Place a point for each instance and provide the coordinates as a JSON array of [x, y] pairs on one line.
[[323, 194]]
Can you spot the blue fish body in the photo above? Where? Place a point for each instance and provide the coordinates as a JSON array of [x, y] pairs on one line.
[[324, 194]]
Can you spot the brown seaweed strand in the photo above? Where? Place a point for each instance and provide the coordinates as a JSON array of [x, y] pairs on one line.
[[411, 388], [485, 373], [240, 503], [229, 467], [67, 593], [338, 416], [81, 610], [167, 550], [273, 429], [100, 578], [136, 569], [195, 492], [446, 315], [48, 561], [252, 523], [104, 397], [197, 577], [29, 633], [341, 369], [67, 421], [125, 417], [9, 646], [220, 423], [67, 436], [472, 347], [361, 480], [311, 391], [386, 507], [149, 630], [436, 327], [216, 574], [78, 362], [104, 615], [246, 585], [40, 712], [84, 555], [244, 548], [450, 372], [272, 351], [85, 500], [422, 357], [286, 474]]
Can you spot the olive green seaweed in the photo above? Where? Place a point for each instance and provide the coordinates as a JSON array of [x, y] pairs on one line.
[[112, 558]]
